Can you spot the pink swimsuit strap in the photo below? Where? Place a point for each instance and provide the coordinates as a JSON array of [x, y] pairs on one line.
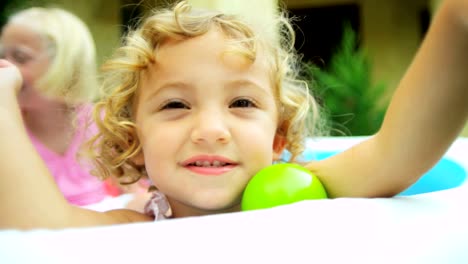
[[158, 207]]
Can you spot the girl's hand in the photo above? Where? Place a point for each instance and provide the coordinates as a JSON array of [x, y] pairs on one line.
[[10, 77]]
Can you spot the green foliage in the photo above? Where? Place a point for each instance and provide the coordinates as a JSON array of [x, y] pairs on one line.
[[352, 103], [12, 6]]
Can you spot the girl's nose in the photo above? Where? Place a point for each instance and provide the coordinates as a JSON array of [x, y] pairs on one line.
[[210, 128]]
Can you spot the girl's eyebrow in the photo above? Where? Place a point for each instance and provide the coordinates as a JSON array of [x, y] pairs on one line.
[[165, 86], [246, 83], [179, 85]]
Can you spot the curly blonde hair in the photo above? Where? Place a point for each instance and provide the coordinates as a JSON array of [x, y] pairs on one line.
[[70, 46], [117, 142]]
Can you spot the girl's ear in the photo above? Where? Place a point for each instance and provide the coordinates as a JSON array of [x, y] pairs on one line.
[[139, 159], [279, 142]]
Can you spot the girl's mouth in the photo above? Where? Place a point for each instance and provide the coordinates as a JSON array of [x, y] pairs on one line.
[[205, 163], [209, 165]]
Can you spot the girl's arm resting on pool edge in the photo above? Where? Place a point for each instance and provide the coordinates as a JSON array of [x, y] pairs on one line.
[[427, 112], [29, 197]]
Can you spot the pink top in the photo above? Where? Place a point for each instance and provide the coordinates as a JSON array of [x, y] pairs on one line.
[[73, 178]]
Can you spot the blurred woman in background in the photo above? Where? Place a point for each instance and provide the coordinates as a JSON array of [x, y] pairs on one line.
[[56, 55]]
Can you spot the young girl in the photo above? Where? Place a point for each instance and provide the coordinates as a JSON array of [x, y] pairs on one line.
[[56, 104], [41, 43], [199, 101]]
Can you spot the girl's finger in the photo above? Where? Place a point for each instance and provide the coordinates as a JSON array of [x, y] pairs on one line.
[[5, 63]]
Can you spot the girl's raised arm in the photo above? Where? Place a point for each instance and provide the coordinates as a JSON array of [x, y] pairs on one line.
[[426, 114], [29, 196]]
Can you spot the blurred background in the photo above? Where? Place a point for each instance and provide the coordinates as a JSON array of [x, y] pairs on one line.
[[355, 51]]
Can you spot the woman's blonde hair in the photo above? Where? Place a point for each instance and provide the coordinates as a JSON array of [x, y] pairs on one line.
[[117, 142], [71, 76]]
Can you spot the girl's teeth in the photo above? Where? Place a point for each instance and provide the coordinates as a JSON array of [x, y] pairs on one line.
[[215, 163]]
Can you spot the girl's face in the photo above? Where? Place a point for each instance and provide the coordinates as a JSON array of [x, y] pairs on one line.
[[207, 123], [28, 51]]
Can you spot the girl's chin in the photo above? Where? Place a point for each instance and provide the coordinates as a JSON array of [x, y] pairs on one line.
[[221, 208], [208, 208]]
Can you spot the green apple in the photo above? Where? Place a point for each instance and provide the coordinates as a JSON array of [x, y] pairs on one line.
[[279, 184]]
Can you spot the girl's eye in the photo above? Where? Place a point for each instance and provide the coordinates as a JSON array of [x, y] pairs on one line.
[[20, 57], [175, 105], [16, 55], [242, 103]]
